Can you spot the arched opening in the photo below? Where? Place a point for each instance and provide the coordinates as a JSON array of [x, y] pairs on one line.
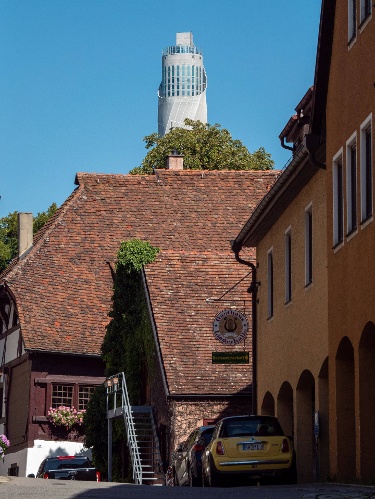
[[305, 407], [323, 441], [285, 408], [367, 401], [268, 405], [346, 446]]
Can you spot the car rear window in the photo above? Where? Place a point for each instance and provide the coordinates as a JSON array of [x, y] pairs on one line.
[[251, 427], [60, 464], [207, 435]]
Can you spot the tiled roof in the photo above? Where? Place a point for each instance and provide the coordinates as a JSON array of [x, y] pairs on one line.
[[63, 286]]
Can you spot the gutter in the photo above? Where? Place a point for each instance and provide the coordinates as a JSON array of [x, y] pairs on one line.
[[57, 352], [236, 247], [288, 170]]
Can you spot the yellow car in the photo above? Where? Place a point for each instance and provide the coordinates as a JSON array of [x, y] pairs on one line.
[[248, 445]]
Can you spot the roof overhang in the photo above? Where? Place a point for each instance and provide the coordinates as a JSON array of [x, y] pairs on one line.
[[287, 186]]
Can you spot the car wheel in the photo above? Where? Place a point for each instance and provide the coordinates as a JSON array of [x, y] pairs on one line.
[[204, 479], [176, 481], [192, 480], [213, 479], [290, 476]]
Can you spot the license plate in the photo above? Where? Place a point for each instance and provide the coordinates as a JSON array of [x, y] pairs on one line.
[[252, 446]]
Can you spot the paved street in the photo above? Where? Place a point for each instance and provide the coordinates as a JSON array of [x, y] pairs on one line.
[[17, 488]]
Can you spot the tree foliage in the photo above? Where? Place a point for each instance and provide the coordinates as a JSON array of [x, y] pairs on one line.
[[9, 233], [204, 147]]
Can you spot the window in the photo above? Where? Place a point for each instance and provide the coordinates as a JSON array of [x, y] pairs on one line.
[[338, 200], [62, 395], [366, 169], [308, 245], [352, 20], [270, 283], [74, 395], [365, 10], [84, 394], [288, 266], [351, 183]]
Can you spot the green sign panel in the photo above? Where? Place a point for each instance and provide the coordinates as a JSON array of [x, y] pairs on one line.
[[230, 357]]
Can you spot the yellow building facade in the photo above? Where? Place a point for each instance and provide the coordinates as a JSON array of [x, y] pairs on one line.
[[351, 241], [314, 235]]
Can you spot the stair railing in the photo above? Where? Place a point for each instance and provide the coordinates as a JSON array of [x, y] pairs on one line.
[[130, 432], [116, 387]]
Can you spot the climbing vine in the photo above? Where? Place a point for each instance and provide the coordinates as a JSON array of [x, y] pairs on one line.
[[128, 345]]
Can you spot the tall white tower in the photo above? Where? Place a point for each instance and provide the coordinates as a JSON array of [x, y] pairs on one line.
[[182, 91]]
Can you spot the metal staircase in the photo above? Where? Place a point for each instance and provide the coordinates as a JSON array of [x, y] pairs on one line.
[[141, 433]]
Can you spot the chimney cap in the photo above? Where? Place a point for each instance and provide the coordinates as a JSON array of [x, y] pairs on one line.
[[175, 161], [176, 153]]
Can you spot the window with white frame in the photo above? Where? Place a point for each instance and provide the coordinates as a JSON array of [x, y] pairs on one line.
[[270, 283], [352, 20], [288, 265], [338, 200], [366, 169], [73, 395], [351, 183], [308, 245], [365, 10], [84, 395], [62, 395]]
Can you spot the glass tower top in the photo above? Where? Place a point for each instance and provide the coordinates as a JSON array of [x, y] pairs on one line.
[[182, 91]]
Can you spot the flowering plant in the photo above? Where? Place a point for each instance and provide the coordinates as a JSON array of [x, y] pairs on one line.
[[4, 444], [65, 416]]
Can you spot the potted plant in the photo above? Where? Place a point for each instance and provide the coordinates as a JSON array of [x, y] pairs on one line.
[[65, 416]]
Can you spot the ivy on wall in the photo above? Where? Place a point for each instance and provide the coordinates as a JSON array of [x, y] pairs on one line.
[[128, 346]]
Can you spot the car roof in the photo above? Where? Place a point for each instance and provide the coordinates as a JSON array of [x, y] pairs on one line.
[[247, 416]]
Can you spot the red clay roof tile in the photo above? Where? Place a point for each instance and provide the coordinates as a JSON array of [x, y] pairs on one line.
[[63, 287]]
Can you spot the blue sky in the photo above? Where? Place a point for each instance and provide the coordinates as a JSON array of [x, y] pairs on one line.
[[79, 80]]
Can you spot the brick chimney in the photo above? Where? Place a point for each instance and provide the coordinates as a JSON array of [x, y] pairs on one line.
[[25, 233], [175, 161]]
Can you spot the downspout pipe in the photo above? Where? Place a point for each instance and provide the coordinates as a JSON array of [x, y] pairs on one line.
[[236, 248], [282, 142]]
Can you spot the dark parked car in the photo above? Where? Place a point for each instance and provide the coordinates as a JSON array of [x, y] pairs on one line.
[[187, 462], [68, 468]]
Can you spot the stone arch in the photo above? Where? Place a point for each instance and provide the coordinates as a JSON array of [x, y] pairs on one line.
[[285, 408], [305, 407], [268, 405], [366, 358], [345, 414], [323, 395]]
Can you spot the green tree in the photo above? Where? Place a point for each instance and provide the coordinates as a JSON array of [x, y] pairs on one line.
[[9, 233], [204, 147]]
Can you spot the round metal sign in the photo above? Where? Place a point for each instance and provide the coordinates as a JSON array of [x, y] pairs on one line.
[[230, 327]]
